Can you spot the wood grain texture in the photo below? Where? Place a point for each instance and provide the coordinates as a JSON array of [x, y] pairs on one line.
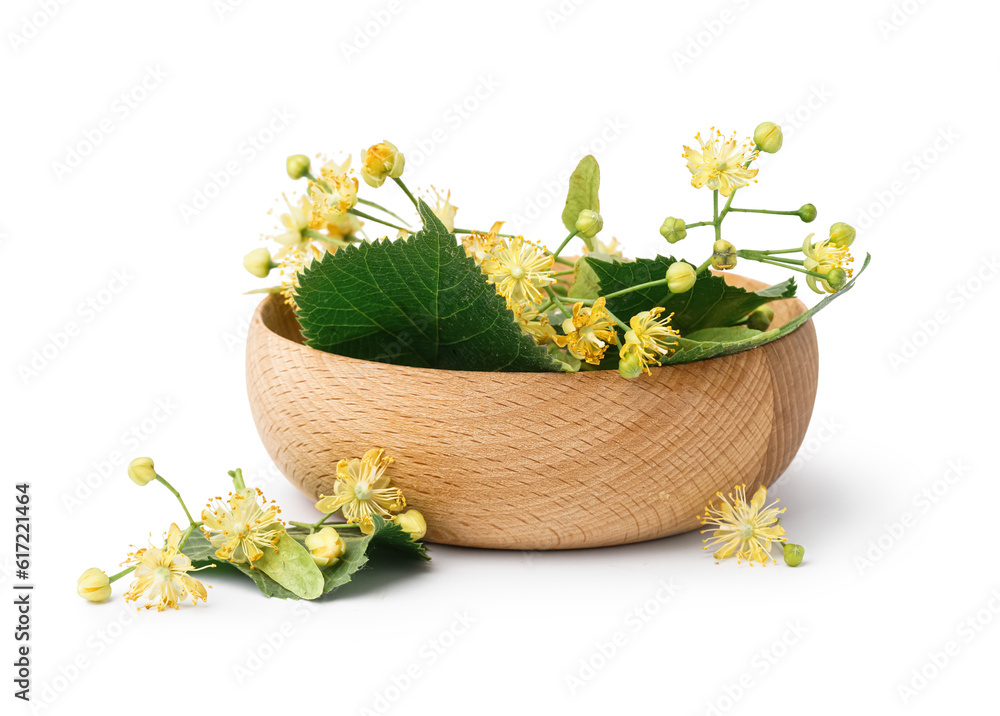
[[537, 460]]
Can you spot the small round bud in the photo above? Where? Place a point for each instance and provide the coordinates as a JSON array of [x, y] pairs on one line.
[[325, 546], [768, 137], [94, 585], [141, 471], [413, 524], [588, 223], [794, 554], [380, 162], [807, 212], [680, 277], [723, 255], [259, 262], [842, 234], [673, 229], [297, 166], [836, 277], [760, 320], [630, 366]]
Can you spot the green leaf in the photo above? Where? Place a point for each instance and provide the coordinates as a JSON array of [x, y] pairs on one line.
[[419, 302], [691, 350], [198, 549], [726, 334], [710, 303], [583, 186], [292, 567]]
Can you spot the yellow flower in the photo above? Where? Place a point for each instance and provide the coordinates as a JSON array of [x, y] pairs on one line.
[[444, 209], [241, 527], [611, 248], [94, 585], [295, 222], [413, 524], [325, 546], [721, 164], [291, 267], [480, 246], [741, 528], [362, 490], [533, 323], [380, 162], [333, 195], [161, 575], [588, 332], [649, 340], [823, 257], [519, 270]]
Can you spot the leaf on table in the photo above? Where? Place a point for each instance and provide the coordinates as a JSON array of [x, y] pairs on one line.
[[710, 303], [291, 566], [583, 186], [419, 302]]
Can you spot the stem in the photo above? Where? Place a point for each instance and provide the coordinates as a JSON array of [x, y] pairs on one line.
[[555, 298], [650, 284], [562, 246], [766, 211], [238, 483], [698, 223], [382, 208], [407, 192], [715, 215], [703, 266], [363, 215], [792, 268], [121, 574], [335, 525], [727, 208], [177, 495], [564, 273], [474, 231], [313, 234]]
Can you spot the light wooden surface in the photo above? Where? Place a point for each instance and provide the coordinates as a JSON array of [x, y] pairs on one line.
[[537, 460]]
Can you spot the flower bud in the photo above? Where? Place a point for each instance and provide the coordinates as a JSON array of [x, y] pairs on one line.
[[588, 223], [141, 471], [760, 320], [768, 137], [380, 162], [807, 212], [413, 524], [680, 277], [325, 546], [842, 234], [258, 262], [94, 585], [673, 229], [297, 166], [630, 366], [836, 278], [723, 255], [794, 554]]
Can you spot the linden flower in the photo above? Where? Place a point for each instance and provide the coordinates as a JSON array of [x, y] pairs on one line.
[[241, 527], [380, 162], [588, 332], [362, 490], [161, 575], [533, 323], [822, 258], [520, 270], [741, 528], [295, 221], [611, 248], [445, 210], [721, 164], [480, 246], [333, 195], [291, 267], [650, 340]]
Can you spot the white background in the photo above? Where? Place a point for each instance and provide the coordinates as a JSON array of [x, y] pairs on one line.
[[889, 112]]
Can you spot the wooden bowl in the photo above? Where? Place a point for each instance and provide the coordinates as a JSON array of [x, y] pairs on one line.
[[537, 460]]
